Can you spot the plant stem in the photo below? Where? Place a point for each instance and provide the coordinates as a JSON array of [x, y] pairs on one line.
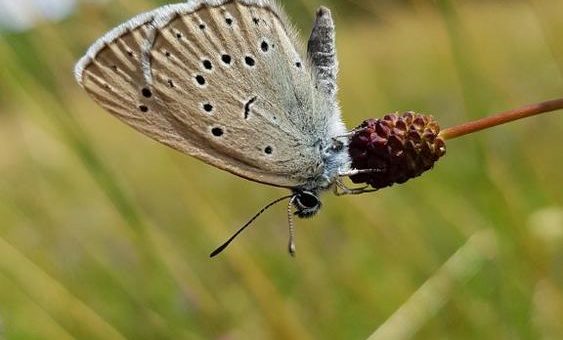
[[501, 118]]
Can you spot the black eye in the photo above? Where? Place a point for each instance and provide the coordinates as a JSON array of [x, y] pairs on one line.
[[307, 200]]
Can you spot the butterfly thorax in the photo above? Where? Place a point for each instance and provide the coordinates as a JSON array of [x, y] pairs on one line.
[[335, 160]]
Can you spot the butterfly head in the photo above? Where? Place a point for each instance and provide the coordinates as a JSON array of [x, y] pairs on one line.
[[306, 203]]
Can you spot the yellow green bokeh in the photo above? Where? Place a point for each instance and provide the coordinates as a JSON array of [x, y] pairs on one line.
[[105, 234]]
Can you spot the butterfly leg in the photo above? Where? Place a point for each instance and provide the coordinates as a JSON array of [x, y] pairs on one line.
[[321, 48], [358, 171], [350, 134], [344, 190], [346, 135]]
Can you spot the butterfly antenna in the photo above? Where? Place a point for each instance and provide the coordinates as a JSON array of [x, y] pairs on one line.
[[291, 246], [224, 245]]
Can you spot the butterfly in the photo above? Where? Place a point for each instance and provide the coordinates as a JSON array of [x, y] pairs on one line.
[[225, 81]]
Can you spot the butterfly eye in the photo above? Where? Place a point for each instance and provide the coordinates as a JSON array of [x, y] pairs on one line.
[[307, 200], [306, 204]]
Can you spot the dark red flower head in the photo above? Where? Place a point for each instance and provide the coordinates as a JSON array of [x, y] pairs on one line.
[[401, 147]]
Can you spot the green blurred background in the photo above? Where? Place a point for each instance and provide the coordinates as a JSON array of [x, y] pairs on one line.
[[105, 234]]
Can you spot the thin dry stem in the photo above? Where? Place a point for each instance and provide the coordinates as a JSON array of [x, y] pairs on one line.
[[501, 118]]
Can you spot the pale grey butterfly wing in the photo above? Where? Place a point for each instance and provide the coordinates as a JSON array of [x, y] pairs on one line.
[[218, 80], [321, 48]]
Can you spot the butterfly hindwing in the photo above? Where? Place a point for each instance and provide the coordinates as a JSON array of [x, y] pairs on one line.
[[219, 80]]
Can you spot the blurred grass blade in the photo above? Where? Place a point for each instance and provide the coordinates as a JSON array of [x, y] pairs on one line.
[[435, 292], [74, 136], [118, 228], [52, 296]]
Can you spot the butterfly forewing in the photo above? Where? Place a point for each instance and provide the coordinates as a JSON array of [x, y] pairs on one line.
[[112, 74], [219, 80]]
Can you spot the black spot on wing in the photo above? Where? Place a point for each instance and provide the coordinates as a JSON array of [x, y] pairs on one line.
[[247, 106]]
